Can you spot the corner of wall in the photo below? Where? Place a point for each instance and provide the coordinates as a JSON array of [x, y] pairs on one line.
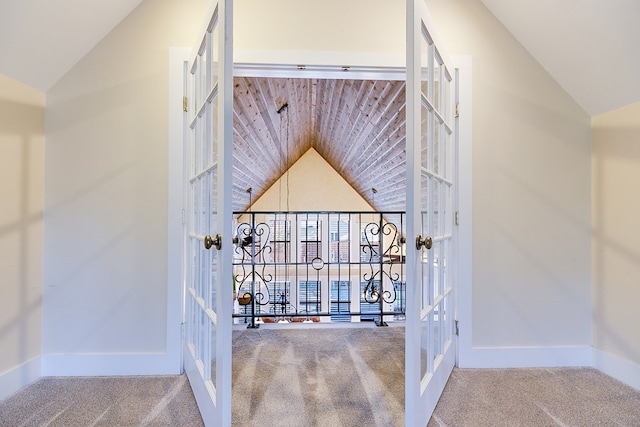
[[19, 377], [620, 369]]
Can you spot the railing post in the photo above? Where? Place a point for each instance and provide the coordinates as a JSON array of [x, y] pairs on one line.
[[253, 324], [381, 252]]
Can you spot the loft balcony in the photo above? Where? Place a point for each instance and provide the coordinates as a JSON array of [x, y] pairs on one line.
[[315, 267]]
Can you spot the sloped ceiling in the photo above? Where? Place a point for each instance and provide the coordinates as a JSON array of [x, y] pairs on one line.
[[41, 40], [357, 126], [590, 47]]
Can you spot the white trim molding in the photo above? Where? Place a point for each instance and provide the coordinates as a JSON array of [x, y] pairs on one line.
[[89, 365], [621, 369], [464, 269], [21, 376], [175, 215], [527, 357]]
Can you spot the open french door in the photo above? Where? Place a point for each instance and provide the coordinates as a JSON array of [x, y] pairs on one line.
[[430, 344], [208, 214]]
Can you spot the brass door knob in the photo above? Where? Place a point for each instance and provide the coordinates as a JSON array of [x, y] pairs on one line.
[[427, 242], [213, 241]]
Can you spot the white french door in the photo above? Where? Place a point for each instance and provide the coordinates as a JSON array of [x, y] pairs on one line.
[[208, 146], [430, 343]]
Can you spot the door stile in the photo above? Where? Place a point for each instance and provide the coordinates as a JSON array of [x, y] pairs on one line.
[[413, 296], [225, 129], [430, 343], [208, 140]]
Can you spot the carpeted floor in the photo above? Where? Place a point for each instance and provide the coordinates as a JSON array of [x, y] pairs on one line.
[[102, 401], [558, 397], [319, 377], [330, 377]]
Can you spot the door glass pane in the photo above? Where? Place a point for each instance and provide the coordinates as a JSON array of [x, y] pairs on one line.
[[446, 152], [425, 271], [448, 208], [424, 137], [437, 214], [202, 333], [435, 283], [425, 345], [437, 80], [447, 88], [447, 319], [215, 53], [214, 290], [203, 272], [193, 320], [196, 87], [425, 56], [436, 147], [212, 351], [202, 72], [213, 155], [437, 330]]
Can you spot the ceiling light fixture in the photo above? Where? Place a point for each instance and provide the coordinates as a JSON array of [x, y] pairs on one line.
[[284, 154]]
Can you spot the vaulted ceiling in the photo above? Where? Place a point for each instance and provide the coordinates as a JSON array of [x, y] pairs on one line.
[[357, 126], [589, 47]]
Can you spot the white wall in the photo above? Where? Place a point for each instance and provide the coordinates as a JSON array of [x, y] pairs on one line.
[[327, 32], [105, 242], [616, 231], [21, 199], [313, 185], [531, 159], [531, 192], [106, 176]]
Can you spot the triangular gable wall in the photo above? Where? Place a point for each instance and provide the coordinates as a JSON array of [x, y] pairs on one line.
[[311, 184]]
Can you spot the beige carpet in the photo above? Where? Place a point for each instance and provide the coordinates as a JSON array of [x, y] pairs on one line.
[[103, 401], [319, 377], [565, 397], [330, 377]]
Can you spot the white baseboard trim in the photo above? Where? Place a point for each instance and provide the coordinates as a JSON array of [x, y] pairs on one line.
[[19, 377], [620, 369], [73, 365], [525, 357]]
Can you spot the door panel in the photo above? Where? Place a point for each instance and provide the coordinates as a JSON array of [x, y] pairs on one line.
[[430, 344], [207, 338]]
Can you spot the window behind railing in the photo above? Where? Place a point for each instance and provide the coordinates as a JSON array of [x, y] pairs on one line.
[[319, 266]]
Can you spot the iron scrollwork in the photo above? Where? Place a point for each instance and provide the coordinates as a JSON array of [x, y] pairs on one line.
[[374, 290], [252, 245]]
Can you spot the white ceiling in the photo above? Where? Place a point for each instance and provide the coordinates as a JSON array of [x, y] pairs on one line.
[[40, 40], [591, 47]]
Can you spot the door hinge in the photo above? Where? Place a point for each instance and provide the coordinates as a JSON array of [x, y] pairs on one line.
[[457, 110], [183, 216], [456, 218], [457, 329], [185, 104]]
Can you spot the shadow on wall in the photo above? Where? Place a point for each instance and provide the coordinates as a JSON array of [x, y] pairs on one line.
[[616, 249], [21, 198]]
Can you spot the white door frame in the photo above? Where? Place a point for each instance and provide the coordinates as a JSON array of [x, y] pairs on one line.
[[175, 255]]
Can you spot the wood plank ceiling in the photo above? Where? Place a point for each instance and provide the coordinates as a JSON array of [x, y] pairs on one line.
[[357, 126]]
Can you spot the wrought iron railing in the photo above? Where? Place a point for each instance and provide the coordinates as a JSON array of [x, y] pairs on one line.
[[319, 267]]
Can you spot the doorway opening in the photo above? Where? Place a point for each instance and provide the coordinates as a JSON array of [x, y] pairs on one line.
[[373, 194], [319, 197]]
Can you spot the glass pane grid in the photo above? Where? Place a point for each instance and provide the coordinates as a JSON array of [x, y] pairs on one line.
[[426, 345], [215, 53]]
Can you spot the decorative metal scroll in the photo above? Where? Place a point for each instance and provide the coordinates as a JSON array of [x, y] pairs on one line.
[[262, 266], [252, 245], [253, 248], [374, 291]]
